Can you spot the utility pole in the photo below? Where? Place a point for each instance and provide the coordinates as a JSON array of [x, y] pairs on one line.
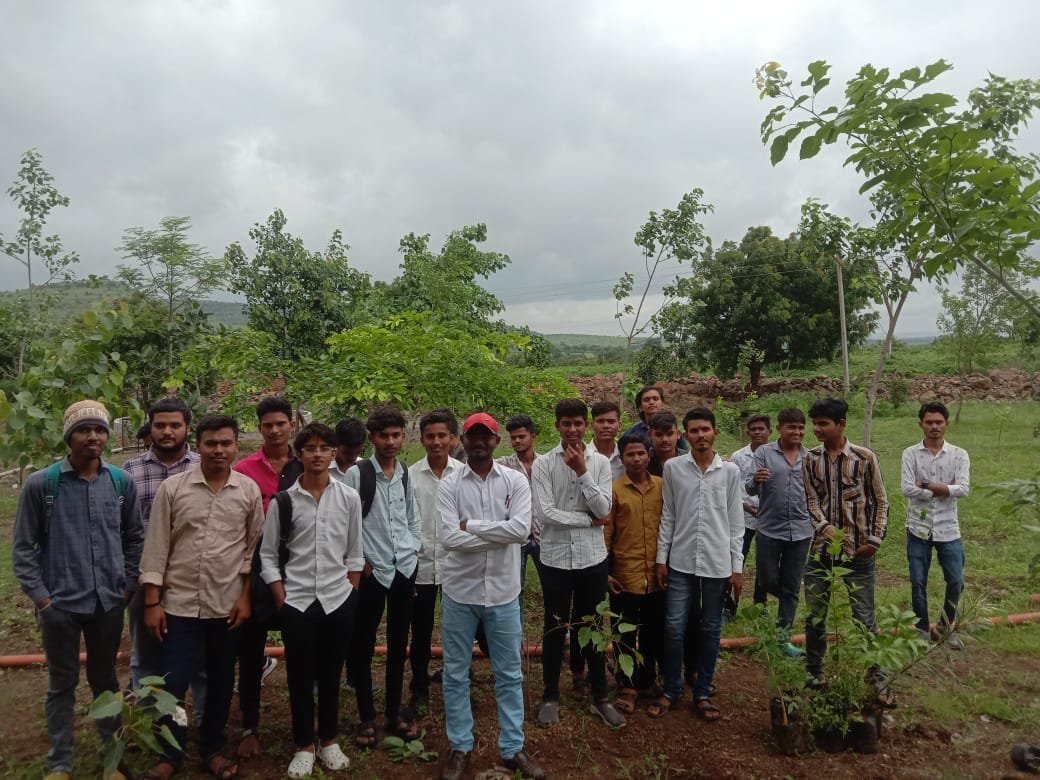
[[845, 385]]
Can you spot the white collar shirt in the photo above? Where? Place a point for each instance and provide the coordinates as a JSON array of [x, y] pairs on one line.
[[929, 516], [702, 523], [425, 485], [324, 545], [617, 468], [482, 563], [566, 505]]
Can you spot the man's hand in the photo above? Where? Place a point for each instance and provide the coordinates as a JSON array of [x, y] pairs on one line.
[[355, 579], [865, 551], [613, 585], [598, 521], [751, 509], [662, 575], [155, 621], [736, 584], [242, 610], [127, 595], [367, 571], [829, 532], [278, 593], [462, 524], [937, 488], [574, 456], [761, 475], [43, 603]]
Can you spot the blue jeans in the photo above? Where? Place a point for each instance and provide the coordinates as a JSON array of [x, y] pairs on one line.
[[504, 631], [61, 634], [698, 601], [951, 559]]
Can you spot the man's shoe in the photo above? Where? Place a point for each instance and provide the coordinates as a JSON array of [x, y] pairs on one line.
[[548, 714], [607, 713], [456, 766], [816, 682], [791, 651], [1026, 757], [525, 765]]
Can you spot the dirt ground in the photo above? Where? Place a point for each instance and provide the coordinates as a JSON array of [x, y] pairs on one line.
[[677, 746]]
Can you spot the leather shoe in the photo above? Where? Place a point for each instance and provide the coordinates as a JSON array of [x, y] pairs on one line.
[[456, 766], [524, 764]]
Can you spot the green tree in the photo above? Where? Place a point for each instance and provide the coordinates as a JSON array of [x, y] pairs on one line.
[[764, 301], [173, 271], [674, 234], [974, 323], [35, 196], [298, 296], [444, 284], [949, 187], [78, 364]]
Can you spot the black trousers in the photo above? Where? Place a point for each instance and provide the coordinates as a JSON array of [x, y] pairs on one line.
[[646, 612], [251, 659], [373, 599], [569, 595], [315, 646]]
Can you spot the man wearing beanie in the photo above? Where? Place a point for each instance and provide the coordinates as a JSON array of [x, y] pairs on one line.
[[77, 543]]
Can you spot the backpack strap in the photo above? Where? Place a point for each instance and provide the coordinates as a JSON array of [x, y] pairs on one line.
[[285, 520], [51, 478], [367, 485]]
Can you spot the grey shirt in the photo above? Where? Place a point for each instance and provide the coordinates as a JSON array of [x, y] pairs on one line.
[[782, 510], [91, 555]]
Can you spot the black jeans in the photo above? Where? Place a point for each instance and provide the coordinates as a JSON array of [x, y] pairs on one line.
[[61, 632], [315, 646], [760, 593], [646, 612], [373, 598], [251, 659], [860, 584], [779, 566], [569, 595], [200, 643]]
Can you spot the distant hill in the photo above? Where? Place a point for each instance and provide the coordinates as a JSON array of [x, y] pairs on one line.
[[80, 295], [587, 340]]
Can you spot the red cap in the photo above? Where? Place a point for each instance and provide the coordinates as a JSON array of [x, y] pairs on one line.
[[480, 418]]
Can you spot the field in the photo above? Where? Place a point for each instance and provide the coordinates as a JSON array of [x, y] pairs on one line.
[[957, 720]]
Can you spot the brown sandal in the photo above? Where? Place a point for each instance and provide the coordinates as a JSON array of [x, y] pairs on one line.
[[626, 701], [248, 744], [659, 708], [707, 709]]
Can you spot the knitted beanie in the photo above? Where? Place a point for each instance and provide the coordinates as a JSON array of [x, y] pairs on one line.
[[85, 412]]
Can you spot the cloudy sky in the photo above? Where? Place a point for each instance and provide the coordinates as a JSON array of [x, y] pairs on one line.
[[559, 124]]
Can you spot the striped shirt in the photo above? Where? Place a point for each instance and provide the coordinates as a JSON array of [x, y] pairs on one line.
[[149, 472], [930, 516], [566, 505], [847, 493]]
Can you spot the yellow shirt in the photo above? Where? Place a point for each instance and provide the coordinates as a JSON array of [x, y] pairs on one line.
[[631, 533]]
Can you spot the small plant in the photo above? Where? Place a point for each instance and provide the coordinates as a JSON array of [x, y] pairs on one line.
[[139, 710], [1022, 496], [604, 631], [411, 751]]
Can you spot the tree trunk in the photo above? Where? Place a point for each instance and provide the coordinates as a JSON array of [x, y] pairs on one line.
[[755, 375], [879, 369]]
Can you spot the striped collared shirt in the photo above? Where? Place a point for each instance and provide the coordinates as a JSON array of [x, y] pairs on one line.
[[149, 472], [847, 493], [929, 516]]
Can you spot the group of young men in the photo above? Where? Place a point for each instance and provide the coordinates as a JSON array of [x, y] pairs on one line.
[[208, 555]]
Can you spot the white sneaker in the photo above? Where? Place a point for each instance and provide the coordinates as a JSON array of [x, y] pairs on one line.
[[332, 758], [269, 665], [302, 764]]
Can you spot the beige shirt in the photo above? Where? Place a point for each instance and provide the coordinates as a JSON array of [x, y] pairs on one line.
[[200, 543]]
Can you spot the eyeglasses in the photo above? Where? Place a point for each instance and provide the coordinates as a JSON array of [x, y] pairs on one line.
[[314, 450]]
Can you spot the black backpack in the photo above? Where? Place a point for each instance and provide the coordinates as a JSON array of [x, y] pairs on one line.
[[367, 485]]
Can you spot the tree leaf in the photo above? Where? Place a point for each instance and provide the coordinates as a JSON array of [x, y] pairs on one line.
[[810, 147], [778, 150]]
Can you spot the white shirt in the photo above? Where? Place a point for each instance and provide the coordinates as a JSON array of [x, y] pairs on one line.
[[566, 503], [929, 516], [702, 523], [482, 563], [425, 485], [324, 544], [745, 460], [617, 468], [513, 462], [337, 473]]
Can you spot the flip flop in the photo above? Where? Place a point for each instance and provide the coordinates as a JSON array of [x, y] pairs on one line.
[[225, 769], [707, 710], [365, 736], [626, 701], [660, 708]]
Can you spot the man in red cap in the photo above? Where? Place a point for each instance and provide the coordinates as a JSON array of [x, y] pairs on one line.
[[485, 515]]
